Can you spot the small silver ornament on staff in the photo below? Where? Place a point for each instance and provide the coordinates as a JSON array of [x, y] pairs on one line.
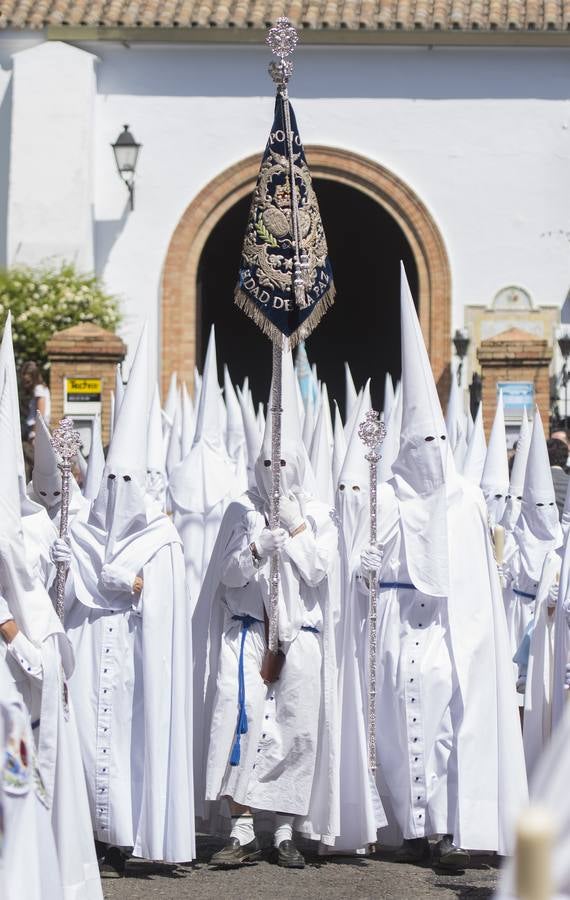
[[372, 432], [66, 443]]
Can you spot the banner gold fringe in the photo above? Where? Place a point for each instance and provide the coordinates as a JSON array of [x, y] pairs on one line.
[[271, 331]]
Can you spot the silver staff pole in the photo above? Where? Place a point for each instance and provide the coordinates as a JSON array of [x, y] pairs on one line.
[[372, 432], [282, 39], [66, 442]]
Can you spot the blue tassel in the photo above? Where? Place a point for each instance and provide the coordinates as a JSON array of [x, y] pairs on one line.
[[236, 753], [242, 725]]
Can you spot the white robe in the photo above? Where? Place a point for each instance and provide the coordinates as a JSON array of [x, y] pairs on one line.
[[289, 755], [448, 738], [29, 867], [133, 687], [539, 678]]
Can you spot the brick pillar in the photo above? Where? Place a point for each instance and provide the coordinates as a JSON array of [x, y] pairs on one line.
[[515, 355], [84, 351]]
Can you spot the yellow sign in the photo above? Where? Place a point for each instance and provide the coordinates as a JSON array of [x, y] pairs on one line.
[[83, 390]]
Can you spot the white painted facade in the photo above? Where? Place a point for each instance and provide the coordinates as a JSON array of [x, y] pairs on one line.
[[482, 136]]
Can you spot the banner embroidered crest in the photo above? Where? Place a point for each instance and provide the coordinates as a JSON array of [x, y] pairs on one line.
[[266, 286]]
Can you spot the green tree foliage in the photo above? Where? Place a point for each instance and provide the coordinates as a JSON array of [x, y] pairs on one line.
[[46, 299]]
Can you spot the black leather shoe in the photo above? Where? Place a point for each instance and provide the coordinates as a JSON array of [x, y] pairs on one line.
[[448, 856], [413, 850], [289, 857], [236, 854], [113, 863]]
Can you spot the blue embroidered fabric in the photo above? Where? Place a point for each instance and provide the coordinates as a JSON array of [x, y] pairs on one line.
[[397, 584], [524, 594]]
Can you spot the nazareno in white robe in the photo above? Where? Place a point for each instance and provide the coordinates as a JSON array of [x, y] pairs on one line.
[[305, 698], [540, 669], [40, 661], [448, 738], [133, 686], [29, 866]]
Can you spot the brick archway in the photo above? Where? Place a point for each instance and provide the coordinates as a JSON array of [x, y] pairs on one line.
[[179, 280]]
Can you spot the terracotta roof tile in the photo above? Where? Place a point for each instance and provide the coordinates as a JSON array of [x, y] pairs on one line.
[[367, 15]]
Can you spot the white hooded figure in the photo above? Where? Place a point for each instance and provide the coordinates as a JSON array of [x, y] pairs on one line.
[[495, 477], [271, 747], [350, 397], [455, 424], [39, 661], [445, 701], [321, 459], [95, 463], [251, 434], [389, 397], [203, 483], [45, 486], [29, 867], [39, 531], [353, 488], [476, 453], [156, 457], [339, 446], [128, 619], [516, 606]]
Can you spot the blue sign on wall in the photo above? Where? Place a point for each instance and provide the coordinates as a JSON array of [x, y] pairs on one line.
[[517, 395]]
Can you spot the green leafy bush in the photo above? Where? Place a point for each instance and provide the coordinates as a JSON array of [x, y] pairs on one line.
[[46, 299]]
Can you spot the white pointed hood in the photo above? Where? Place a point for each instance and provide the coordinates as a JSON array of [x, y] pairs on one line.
[[261, 422], [27, 599], [156, 461], [235, 434], [455, 424], [96, 462], [9, 376], [422, 463], [537, 530], [171, 399], [351, 395], [206, 475], [174, 450], [391, 446], [252, 436], [339, 447], [188, 421], [476, 451], [325, 409], [321, 460], [120, 507], [389, 396], [353, 487], [516, 485], [309, 423], [296, 473], [119, 394], [46, 476], [565, 517], [495, 477]]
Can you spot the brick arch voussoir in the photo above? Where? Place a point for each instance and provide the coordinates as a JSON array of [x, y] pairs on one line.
[[179, 279]]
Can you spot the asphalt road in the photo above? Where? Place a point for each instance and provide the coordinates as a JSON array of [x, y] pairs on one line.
[[340, 878]]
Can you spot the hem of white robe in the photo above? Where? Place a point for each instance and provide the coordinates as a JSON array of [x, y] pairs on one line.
[[88, 889]]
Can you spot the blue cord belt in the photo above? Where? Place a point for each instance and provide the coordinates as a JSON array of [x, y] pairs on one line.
[[397, 584], [524, 594], [241, 728]]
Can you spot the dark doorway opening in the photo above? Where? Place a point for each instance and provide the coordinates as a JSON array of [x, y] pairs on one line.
[[363, 327]]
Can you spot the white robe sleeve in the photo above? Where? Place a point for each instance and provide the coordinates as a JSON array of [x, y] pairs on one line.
[[27, 655], [238, 565], [313, 549]]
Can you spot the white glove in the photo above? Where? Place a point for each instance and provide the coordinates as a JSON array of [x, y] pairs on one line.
[[117, 578], [60, 552], [290, 513], [270, 542], [521, 684], [567, 677], [5, 614], [552, 598], [371, 559]]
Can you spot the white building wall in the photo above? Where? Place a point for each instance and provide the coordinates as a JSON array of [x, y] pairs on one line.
[[482, 136], [50, 184]]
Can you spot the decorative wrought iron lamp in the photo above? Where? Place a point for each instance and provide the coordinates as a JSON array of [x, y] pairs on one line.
[[126, 151]]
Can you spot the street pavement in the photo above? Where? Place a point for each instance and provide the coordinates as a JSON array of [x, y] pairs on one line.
[[337, 878]]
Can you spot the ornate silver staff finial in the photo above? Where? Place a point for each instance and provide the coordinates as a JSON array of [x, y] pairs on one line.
[[282, 38], [66, 443], [372, 432]]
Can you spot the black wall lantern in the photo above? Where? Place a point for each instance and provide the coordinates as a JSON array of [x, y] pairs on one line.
[[126, 151]]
